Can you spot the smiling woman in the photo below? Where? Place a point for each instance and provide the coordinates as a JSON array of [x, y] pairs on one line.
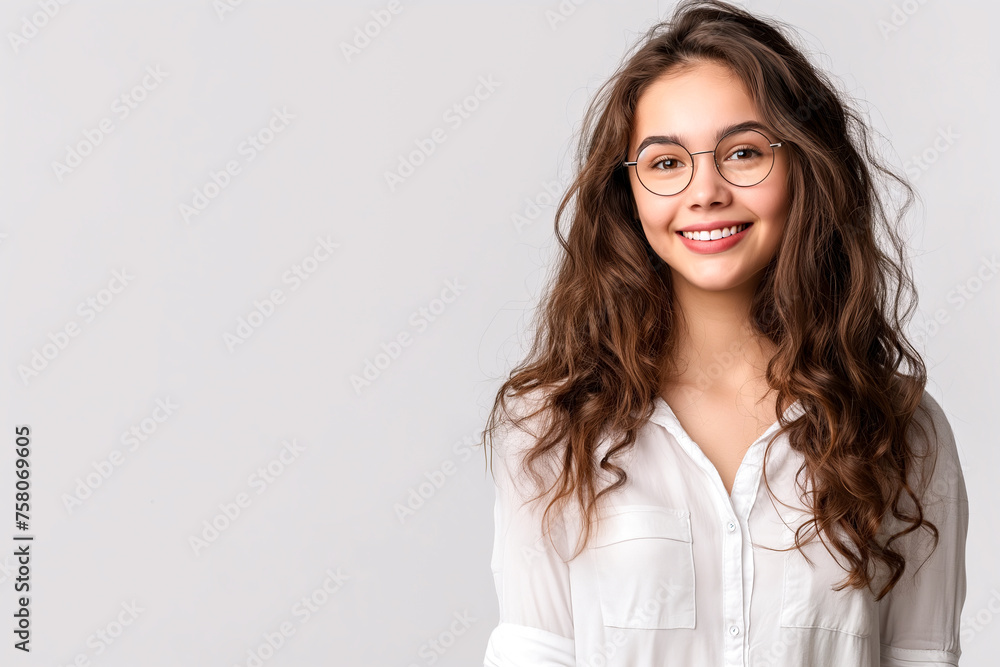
[[720, 449]]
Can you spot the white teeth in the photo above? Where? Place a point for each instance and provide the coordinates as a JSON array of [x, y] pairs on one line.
[[715, 233]]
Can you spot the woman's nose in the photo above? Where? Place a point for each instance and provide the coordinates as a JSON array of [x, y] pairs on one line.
[[707, 185]]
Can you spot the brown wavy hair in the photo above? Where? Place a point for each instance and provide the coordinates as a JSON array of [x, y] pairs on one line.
[[833, 300]]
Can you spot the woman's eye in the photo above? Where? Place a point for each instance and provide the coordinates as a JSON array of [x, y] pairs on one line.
[[744, 153], [665, 163]]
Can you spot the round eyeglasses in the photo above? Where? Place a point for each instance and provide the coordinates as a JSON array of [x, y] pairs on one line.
[[742, 157]]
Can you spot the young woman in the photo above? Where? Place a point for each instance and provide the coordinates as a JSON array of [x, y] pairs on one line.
[[720, 450]]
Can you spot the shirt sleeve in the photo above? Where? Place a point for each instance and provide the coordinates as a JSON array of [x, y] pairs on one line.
[[532, 580], [920, 617]]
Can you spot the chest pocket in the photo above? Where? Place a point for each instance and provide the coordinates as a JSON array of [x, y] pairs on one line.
[[809, 601], [644, 562]]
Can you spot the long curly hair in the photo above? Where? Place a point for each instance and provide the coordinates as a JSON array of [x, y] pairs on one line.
[[833, 300]]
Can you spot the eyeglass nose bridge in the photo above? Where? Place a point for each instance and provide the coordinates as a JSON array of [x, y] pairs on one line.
[[715, 163]]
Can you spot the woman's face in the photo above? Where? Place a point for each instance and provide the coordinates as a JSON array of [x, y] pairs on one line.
[[694, 105]]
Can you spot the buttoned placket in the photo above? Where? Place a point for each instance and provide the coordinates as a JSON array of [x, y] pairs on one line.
[[734, 512]]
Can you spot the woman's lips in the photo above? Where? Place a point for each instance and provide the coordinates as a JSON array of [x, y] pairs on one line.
[[718, 245]]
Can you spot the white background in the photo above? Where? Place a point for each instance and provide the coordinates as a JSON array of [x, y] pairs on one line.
[[335, 505]]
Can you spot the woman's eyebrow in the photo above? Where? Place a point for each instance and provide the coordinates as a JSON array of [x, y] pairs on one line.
[[673, 139]]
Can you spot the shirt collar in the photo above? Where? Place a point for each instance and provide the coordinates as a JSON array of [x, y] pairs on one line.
[[665, 417]]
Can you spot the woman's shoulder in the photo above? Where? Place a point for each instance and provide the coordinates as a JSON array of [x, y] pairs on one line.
[[933, 429], [932, 440], [529, 412], [522, 420]]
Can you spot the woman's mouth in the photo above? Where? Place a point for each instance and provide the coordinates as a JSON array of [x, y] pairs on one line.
[[715, 234], [716, 240]]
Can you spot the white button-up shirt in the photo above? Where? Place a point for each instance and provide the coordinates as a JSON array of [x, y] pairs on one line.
[[677, 572]]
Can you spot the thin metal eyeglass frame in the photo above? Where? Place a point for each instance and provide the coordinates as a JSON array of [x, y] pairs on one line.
[[718, 169]]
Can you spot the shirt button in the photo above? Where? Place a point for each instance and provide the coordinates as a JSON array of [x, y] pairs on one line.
[[734, 630], [731, 526]]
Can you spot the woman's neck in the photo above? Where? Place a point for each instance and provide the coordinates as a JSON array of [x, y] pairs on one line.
[[715, 348]]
